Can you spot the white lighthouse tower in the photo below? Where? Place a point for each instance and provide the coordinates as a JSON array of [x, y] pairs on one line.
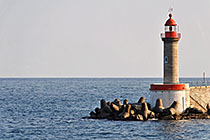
[[170, 90]]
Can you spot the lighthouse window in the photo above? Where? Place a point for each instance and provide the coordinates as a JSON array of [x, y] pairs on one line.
[[171, 28], [166, 59]]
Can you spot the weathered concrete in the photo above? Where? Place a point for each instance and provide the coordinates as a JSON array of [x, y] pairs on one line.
[[169, 96], [171, 61], [129, 112], [187, 97], [199, 97]]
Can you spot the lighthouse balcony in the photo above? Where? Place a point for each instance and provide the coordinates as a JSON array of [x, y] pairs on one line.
[[170, 35], [161, 86]]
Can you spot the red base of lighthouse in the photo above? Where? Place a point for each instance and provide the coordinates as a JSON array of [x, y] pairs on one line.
[[167, 87], [170, 93]]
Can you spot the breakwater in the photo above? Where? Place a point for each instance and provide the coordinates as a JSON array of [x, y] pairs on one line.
[[142, 111]]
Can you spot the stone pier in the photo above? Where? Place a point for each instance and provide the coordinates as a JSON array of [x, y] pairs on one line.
[[199, 97]]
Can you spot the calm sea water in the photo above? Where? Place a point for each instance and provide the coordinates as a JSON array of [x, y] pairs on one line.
[[52, 109]]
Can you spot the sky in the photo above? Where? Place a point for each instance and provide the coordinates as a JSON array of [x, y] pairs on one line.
[[100, 38]]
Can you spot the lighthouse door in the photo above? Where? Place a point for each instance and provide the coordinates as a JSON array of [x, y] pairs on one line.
[[183, 103]]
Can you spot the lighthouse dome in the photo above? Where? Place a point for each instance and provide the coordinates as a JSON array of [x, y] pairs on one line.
[[170, 21]]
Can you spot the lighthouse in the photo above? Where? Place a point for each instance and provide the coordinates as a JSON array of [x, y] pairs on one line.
[[171, 60], [170, 90]]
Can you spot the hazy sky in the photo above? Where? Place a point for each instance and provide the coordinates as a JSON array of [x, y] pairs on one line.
[[100, 38]]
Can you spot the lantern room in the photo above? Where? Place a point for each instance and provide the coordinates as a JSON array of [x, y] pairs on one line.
[[171, 29]]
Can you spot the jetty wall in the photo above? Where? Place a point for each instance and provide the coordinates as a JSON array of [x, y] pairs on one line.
[[199, 97]]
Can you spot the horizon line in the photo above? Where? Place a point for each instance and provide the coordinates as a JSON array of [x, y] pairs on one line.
[[94, 77]]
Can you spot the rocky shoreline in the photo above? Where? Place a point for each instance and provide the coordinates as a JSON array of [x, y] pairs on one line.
[[142, 111]]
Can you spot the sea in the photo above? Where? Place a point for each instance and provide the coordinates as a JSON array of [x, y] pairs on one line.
[[53, 109]]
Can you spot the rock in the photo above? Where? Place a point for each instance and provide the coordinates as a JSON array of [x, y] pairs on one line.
[[117, 118], [132, 115], [136, 107], [168, 117], [103, 103], [168, 113], [187, 116], [97, 110], [117, 102], [151, 115], [158, 106], [105, 107], [193, 111], [104, 112], [125, 102], [141, 112], [115, 108], [149, 106], [103, 115], [171, 110], [177, 117], [108, 103], [159, 103], [174, 105], [145, 111], [93, 115], [141, 100], [171, 117], [126, 113], [208, 108], [139, 117], [132, 112]]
